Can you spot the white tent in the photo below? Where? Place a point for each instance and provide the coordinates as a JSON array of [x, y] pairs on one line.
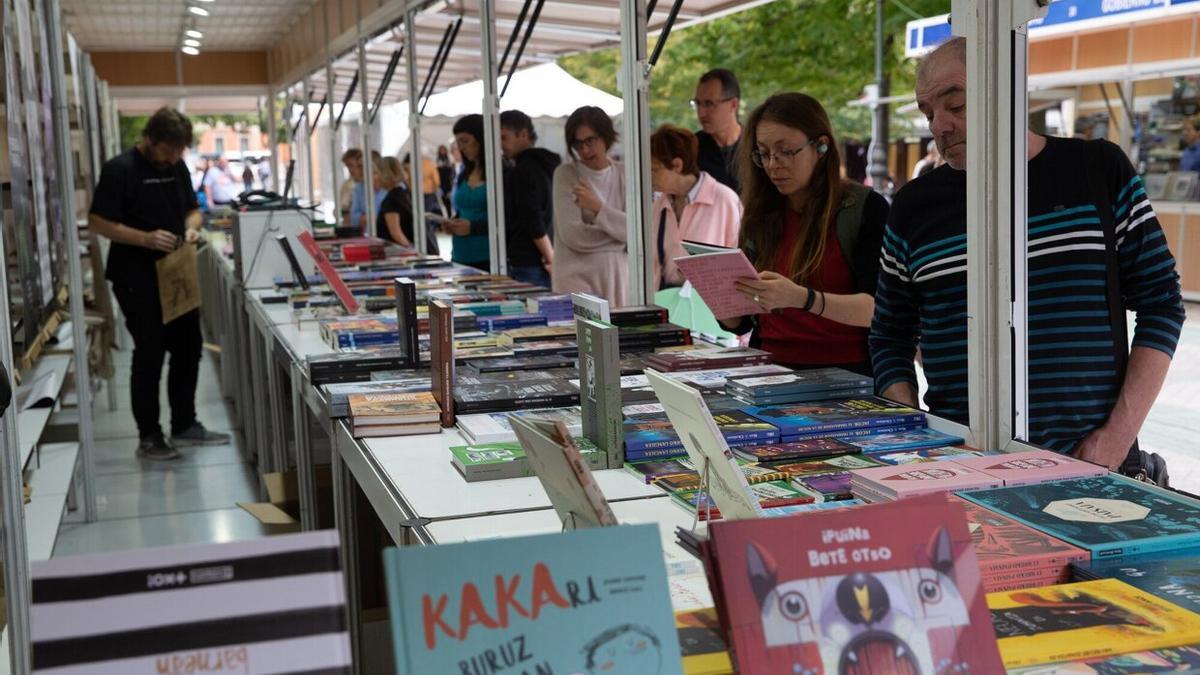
[[546, 93]]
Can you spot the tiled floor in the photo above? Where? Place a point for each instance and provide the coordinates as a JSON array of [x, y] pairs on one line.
[[144, 504], [192, 500]]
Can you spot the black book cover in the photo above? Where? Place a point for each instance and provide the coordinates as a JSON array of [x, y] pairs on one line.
[[406, 319], [502, 396]]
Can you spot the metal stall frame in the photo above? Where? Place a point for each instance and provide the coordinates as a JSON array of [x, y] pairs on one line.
[[420, 232], [497, 241], [634, 82]]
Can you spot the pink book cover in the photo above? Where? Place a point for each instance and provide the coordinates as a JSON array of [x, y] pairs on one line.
[[911, 480], [887, 588], [331, 275], [1034, 466], [713, 274]]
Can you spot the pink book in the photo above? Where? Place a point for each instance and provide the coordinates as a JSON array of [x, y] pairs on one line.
[[713, 274], [1033, 466], [911, 480]]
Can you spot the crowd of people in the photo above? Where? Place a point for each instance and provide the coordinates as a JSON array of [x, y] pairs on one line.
[[845, 278]]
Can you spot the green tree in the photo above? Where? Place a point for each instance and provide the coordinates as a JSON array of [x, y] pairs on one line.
[[824, 48]]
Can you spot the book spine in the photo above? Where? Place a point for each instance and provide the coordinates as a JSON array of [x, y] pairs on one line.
[[638, 455], [442, 344]]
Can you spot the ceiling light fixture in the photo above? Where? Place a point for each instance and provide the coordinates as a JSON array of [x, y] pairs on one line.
[[191, 43], [193, 33], [198, 11], [190, 51], [204, 0]]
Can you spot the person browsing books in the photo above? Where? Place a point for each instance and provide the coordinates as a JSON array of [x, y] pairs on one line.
[[689, 205], [813, 237], [470, 228], [589, 212], [529, 223], [1077, 401]]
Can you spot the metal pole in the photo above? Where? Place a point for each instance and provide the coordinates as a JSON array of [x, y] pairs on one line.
[[497, 245], [303, 139], [62, 132], [878, 153], [272, 138], [364, 125], [414, 130], [636, 140], [16, 550], [335, 187]]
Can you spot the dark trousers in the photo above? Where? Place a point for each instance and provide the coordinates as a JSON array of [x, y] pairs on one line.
[[152, 341], [530, 274]]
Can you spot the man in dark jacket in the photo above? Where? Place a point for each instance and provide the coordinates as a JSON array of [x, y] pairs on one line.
[[718, 96], [529, 211]]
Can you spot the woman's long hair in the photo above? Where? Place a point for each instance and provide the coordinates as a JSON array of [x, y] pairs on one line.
[[472, 124], [764, 206]]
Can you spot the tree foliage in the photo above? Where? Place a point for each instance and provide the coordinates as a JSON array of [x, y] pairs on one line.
[[824, 48]]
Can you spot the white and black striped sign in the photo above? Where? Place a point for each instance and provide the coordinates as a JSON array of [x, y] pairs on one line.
[[273, 605]]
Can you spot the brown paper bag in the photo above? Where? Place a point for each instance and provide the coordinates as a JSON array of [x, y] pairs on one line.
[[178, 282]]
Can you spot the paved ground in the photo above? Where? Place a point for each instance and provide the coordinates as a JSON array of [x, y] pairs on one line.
[[1173, 428]]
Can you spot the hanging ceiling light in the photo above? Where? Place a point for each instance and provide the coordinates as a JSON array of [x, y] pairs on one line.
[[191, 43], [190, 51], [198, 11], [193, 33]]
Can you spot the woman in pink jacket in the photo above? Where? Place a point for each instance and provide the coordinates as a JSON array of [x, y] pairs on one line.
[[689, 204]]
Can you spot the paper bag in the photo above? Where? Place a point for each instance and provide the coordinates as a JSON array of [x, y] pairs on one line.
[[178, 282]]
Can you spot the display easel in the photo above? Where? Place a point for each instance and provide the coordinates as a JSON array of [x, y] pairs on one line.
[[702, 495]]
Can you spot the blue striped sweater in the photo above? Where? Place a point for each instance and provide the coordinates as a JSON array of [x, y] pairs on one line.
[[921, 299]]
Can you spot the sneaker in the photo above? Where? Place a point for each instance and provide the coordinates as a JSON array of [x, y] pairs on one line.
[[198, 435], [156, 448]]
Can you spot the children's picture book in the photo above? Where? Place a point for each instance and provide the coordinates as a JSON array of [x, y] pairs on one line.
[[563, 473], [891, 588], [817, 467], [917, 439], [1006, 547], [910, 480], [1032, 466], [831, 487], [1087, 619], [1108, 515], [796, 450], [589, 601], [655, 469], [1173, 576], [925, 455], [700, 642]]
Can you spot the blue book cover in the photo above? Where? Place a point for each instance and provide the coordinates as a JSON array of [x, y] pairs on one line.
[[831, 416], [917, 439], [590, 601], [654, 432], [848, 434], [1108, 515], [1174, 576]]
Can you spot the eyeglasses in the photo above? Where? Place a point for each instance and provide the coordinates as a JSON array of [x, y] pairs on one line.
[[708, 105], [763, 159], [580, 143]]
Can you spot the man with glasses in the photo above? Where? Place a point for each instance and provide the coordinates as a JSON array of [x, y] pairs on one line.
[[1095, 251], [716, 104]]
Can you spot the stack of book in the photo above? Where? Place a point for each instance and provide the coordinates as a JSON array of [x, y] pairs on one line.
[[1030, 467], [796, 451], [394, 414], [637, 315], [540, 333], [556, 308], [652, 436], [493, 461], [495, 324], [543, 362], [359, 332], [647, 338], [770, 494], [1173, 576], [505, 396], [1013, 556], [355, 366], [889, 483], [839, 419], [915, 439], [492, 307], [495, 427], [823, 384], [568, 348], [338, 394], [707, 358]]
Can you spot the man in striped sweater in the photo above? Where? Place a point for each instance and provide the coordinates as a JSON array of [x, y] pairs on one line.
[[1078, 403]]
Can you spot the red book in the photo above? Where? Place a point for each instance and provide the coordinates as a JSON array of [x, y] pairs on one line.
[[1005, 547], [889, 588], [441, 357], [331, 275]]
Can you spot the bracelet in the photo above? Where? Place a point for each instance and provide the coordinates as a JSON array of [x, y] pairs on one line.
[[808, 302], [822, 312]]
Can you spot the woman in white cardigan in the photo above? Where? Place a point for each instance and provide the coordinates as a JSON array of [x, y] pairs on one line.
[[589, 212]]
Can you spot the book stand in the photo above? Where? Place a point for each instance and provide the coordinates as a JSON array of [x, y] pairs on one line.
[[702, 495], [569, 522]]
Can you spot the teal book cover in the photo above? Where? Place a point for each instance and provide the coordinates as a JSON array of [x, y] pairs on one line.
[[587, 602], [1109, 515]]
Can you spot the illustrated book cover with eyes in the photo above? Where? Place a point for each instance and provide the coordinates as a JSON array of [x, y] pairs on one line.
[[1108, 515], [587, 602], [1032, 466], [1174, 576], [1084, 620], [889, 588]]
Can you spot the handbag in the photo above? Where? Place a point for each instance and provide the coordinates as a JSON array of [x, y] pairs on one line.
[[178, 282]]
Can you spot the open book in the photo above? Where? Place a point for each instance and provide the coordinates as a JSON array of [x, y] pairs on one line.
[[713, 276]]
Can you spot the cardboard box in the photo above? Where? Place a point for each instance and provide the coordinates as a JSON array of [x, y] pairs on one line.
[[281, 512]]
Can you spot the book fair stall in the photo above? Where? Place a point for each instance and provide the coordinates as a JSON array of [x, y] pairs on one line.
[[461, 472]]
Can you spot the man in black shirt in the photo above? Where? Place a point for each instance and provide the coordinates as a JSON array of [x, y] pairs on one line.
[[529, 211], [145, 205], [716, 104]]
